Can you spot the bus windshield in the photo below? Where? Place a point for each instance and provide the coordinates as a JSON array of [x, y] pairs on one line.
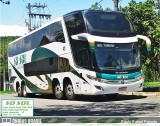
[[117, 57], [107, 22]]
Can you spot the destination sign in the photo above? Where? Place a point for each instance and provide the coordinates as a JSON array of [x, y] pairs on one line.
[[104, 45]]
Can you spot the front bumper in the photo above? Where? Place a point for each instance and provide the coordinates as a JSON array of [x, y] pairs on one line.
[[103, 88]]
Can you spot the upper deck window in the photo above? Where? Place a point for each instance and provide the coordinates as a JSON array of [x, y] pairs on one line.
[[46, 35], [107, 22], [75, 24]]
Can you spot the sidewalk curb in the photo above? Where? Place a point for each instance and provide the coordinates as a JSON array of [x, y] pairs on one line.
[[151, 89], [157, 94]]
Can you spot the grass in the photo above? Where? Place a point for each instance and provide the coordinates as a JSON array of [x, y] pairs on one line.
[[151, 84], [5, 92]]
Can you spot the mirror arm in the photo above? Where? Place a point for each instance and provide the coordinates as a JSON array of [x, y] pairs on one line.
[[148, 41], [80, 36]]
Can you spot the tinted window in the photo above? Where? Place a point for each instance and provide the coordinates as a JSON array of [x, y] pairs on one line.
[[117, 56], [51, 33], [47, 66], [105, 21], [57, 32], [75, 24], [82, 58], [80, 51]]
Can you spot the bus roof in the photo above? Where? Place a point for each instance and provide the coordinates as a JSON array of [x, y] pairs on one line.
[[91, 10], [59, 19]]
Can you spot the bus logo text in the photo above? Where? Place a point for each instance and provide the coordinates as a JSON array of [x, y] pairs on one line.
[[19, 60]]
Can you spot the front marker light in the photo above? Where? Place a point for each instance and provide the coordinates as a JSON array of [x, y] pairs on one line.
[[103, 81], [91, 77], [97, 79]]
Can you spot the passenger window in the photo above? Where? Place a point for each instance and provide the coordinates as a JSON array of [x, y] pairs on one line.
[[56, 32], [59, 36], [46, 35], [52, 33], [83, 58], [75, 24]]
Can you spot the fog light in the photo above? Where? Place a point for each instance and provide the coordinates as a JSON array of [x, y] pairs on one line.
[[99, 87]]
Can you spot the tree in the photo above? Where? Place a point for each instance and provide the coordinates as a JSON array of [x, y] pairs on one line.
[[4, 41], [145, 20], [96, 6]]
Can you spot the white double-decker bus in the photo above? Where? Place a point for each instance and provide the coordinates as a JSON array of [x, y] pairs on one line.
[[86, 52]]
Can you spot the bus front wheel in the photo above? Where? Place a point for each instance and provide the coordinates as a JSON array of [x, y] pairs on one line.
[[69, 92]]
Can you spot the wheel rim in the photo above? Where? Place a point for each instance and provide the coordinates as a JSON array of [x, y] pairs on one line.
[[58, 91], [19, 91], [69, 91]]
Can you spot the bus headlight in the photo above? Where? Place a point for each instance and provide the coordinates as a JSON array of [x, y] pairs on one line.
[[97, 79]]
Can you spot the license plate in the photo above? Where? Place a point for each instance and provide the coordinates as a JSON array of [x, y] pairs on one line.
[[122, 88]]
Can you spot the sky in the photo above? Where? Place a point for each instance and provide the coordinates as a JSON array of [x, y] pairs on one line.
[[13, 16]]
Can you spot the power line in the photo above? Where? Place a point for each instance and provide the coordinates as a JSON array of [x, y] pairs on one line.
[[51, 2], [22, 17], [32, 16]]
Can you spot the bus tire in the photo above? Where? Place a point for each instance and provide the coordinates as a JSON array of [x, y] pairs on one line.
[[58, 92], [24, 92], [19, 92], [69, 92]]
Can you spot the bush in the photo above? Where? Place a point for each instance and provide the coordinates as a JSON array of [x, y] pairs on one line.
[[150, 74]]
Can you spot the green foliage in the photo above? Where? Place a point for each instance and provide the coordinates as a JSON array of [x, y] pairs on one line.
[[96, 6], [5, 92], [145, 20], [4, 41], [152, 84], [150, 74]]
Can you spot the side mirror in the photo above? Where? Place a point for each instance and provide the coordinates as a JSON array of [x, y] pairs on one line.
[[148, 41], [81, 37]]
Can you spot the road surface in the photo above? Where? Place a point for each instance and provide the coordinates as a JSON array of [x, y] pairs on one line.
[[122, 105]]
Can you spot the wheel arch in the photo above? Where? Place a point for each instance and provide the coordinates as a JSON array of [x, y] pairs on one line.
[[66, 80], [23, 82], [68, 87], [17, 85]]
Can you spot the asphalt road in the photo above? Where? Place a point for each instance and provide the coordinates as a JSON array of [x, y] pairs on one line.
[[122, 105]]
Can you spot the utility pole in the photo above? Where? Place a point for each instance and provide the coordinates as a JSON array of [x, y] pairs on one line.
[[1, 63], [29, 18], [4, 66], [4, 70], [32, 15], [116, 4]]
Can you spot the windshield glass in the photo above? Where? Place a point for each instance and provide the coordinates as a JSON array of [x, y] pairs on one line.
[[108, 22], [117, 57]]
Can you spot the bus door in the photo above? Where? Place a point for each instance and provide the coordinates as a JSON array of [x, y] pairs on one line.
[[84, 64], [85, 83]]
